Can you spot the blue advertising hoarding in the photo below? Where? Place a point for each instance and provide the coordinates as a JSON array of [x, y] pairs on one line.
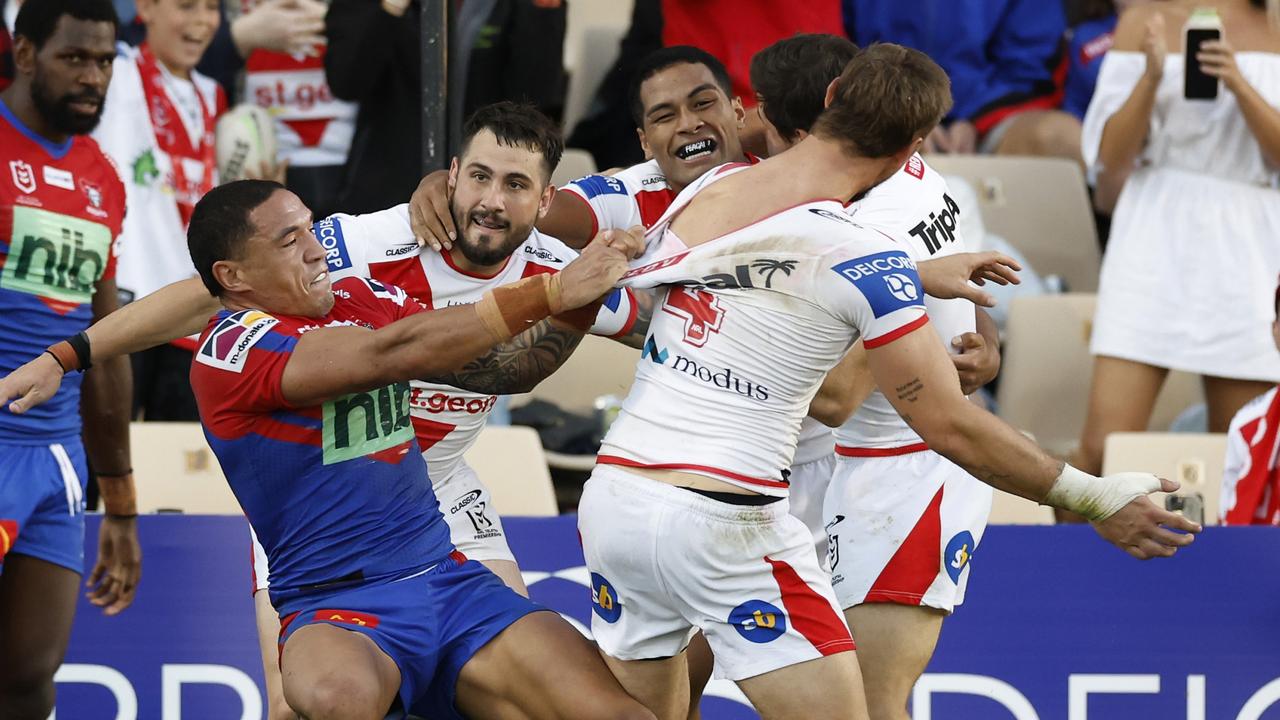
[[1057, 625]]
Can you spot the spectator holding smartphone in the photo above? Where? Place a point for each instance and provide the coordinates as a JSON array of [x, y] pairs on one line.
[[1193, 255]]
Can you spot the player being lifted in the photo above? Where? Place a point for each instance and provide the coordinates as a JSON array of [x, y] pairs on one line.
[[684, 522]]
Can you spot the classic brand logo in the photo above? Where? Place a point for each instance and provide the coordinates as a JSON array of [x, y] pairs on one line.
[[365, 423], [55, 256]]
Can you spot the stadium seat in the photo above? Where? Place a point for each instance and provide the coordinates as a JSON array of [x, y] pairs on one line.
[[597, 368], [175, 471], [591, 43], [1193, 459], [1007, 509], [573, 164], [511, 463], [1040, 206], [1044, 381]]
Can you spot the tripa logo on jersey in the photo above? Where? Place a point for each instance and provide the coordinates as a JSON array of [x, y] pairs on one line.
[[758, 621], [329, 232], [940, 227], [24, 176], [604, 599], [228, 344], [958, 554], [888, 280]]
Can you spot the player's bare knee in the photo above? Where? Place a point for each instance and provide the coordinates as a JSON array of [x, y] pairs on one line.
[[336, 696], [27, 693]]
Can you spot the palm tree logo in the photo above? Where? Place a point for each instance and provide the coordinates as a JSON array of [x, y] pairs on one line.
[[767, 268]]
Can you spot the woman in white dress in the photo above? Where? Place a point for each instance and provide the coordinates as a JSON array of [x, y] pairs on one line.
[[1195, 241]]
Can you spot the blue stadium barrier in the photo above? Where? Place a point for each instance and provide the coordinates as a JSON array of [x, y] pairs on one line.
[[1057, 625]]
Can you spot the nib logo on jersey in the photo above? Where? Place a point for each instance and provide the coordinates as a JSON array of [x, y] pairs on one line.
[[368, 424], [888, 280], [722, 378], [56, 257]]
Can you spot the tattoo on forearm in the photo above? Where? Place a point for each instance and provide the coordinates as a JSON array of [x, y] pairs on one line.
[[909, 390], [519, 364]]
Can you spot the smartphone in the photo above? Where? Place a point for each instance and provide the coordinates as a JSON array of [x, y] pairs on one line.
[[1203, 25], [1189, 506]]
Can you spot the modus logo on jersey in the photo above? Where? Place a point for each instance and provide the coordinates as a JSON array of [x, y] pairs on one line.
[[228, 344], [888, 280], [722, 378]]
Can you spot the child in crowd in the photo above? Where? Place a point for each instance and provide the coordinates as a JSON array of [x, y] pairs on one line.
[[1251, 475]]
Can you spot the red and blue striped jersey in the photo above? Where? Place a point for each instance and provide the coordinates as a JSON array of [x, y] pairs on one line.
[[337, 493], [61, 209]]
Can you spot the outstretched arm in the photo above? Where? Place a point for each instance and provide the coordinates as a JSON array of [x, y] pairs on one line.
[[918, 379], [518, 365], [332, 362], [172, 312]]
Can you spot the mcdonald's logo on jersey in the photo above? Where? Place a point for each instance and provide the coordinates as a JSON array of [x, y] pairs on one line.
[[8, 536], [346, 617], [759, 621]]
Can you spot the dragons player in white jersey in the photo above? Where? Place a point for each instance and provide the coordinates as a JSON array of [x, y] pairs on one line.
[[903, 520], [684, 521]]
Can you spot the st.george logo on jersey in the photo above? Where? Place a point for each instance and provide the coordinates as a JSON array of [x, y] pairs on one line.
[[228, 344], [700, 311], [888, 280]]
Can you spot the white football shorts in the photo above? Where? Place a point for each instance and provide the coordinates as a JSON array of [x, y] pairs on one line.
[[808, 491], [903, 528], [665, 561]]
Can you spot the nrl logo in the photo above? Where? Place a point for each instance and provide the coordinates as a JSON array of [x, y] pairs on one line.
[[24, 176]]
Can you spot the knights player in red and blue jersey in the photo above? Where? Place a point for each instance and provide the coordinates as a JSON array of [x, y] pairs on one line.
[[303, 391], [61, 208]]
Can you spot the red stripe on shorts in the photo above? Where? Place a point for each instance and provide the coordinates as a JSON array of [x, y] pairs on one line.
[[848, 451], [811, 614], [912, 569]]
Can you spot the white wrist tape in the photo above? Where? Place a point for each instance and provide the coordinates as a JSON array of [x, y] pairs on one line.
[[1098, 498]]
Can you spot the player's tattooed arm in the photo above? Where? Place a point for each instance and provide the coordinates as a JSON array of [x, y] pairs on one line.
[[519, 364], [645, 301]]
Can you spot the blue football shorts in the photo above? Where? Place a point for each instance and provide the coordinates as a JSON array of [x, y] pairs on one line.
[[430, 624], [42, 502]]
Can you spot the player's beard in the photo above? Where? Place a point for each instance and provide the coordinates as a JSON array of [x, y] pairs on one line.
[[487, 255], [57, 111]]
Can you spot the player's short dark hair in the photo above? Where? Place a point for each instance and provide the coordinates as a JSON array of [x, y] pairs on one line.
[[663, 58], [220, 225], [37, 19], [791, 76], [886, 97], [517, 125]]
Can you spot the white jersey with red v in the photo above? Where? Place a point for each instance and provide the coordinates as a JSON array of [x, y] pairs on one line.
[[382, 246], [748, 326]]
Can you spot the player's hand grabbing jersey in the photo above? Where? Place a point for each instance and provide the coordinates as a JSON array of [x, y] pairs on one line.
[[707, 389], [61, 210], [381, 245], [335, 492]]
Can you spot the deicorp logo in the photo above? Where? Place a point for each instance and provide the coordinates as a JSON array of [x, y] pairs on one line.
[[888, 280]]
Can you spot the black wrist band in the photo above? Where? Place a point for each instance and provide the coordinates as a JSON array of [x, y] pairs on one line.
[[51, 354], [80, 343]]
